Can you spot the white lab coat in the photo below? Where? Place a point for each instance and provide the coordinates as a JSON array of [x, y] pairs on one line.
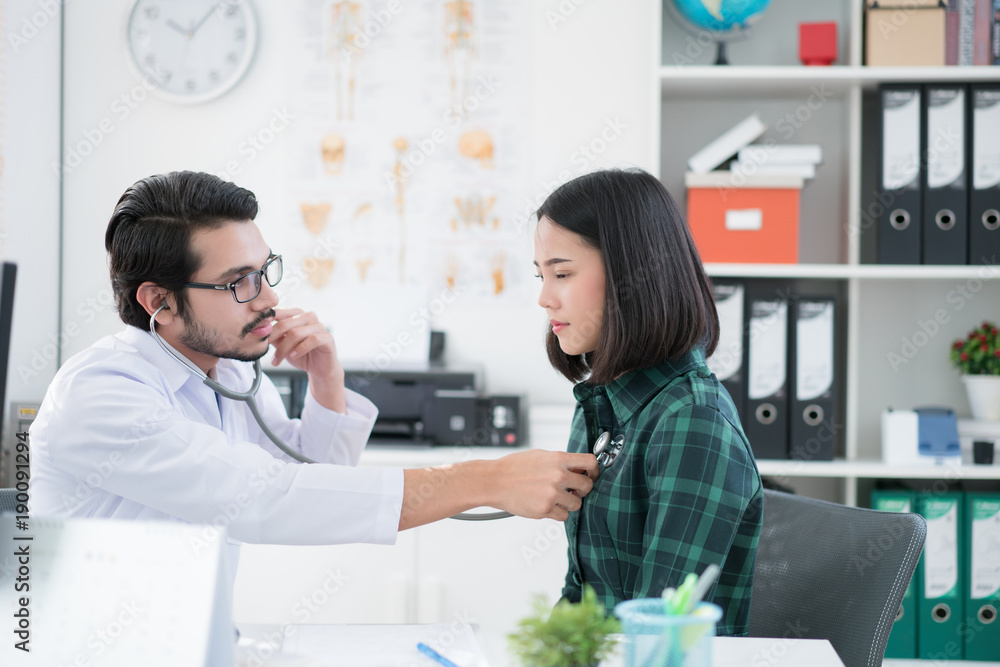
[[126, 432]]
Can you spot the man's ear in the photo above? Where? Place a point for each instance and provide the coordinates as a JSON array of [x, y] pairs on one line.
[[151, 296]]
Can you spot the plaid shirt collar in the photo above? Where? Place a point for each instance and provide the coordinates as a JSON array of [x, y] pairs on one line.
[[630, 392]]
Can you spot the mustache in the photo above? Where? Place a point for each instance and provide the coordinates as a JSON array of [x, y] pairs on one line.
[[264, 317]]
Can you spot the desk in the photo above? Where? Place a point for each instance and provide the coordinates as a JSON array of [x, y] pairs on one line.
[[726, 651]]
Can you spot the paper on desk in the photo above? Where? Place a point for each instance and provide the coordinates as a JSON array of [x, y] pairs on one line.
[[254, 653], [389, 645]]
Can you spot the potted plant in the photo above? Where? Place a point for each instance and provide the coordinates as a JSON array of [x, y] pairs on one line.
[[567, 635], [977, 356]]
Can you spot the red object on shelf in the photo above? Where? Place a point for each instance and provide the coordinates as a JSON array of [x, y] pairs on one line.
[[818, 43], [744, 219]]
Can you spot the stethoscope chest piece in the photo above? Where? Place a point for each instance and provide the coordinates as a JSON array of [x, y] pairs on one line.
[[607, 450]]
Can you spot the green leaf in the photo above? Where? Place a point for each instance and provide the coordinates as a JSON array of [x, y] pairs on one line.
[[567, 635]]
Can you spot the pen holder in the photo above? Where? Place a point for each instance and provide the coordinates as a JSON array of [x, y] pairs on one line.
[[654, 639]]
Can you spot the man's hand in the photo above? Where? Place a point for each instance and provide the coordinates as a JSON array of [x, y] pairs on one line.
[[300, 338], [540, 484], [536, 484]]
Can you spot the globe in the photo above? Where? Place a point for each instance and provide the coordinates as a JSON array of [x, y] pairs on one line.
[[726, 20]]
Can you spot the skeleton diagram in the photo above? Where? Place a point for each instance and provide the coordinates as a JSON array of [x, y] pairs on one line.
[[497, 263], [342, 49], [459, 48], [451, 270], [333, 149], [400, 177], [475, 209]]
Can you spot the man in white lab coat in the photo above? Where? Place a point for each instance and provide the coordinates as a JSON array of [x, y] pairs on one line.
[[125, 431]]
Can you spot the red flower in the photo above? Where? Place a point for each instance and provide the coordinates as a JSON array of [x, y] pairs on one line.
[[996, 353], [958, 344], [964, 356], [982, 348], [986, 325]]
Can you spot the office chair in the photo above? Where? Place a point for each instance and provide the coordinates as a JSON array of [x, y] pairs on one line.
[[8, 499], [828, 571]]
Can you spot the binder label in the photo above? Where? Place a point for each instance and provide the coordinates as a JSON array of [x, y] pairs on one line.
[[986, 140], [901, 139], [892, 504], [768, 341], [941, 550], [728, 356], [945, 137], [985, 571], [813, 349]]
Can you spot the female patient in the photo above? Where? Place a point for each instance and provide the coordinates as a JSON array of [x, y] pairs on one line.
[[632, 316]]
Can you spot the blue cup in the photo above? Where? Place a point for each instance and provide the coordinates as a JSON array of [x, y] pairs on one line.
[[654, 639]]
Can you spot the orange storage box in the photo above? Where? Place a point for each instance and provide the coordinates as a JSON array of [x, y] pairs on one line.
[[744, 218]]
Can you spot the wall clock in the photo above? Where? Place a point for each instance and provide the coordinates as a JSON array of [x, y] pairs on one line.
[[191, 51]]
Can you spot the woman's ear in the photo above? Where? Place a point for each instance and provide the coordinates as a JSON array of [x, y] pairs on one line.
[[151, 296]]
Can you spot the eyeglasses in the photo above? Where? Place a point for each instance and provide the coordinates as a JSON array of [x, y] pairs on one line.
[[247, 287]]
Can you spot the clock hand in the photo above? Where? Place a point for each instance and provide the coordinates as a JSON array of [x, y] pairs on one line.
[[204, 18], [176, 26]]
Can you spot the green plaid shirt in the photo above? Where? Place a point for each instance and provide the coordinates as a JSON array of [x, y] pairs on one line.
[[684, 491]]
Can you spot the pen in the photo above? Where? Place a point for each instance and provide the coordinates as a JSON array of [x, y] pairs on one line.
[[434, 655]]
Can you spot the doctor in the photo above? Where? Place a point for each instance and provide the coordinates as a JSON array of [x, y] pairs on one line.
[[126, 432]]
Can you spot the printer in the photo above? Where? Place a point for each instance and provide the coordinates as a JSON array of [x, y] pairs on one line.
[[422, 405]]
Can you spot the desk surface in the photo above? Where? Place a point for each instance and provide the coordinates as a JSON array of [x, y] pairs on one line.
[[259, 643]]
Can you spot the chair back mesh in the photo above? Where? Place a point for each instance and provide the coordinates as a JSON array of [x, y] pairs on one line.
[[827, 571], [7, 500]]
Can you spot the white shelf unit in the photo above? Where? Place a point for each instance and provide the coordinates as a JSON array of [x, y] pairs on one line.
[[891, 311], [709, 78]]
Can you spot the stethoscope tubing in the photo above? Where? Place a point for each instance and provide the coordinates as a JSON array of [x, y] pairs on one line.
[[249, 397]]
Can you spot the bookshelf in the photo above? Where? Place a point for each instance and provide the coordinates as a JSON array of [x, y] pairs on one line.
[[885, 305], [840, 78]]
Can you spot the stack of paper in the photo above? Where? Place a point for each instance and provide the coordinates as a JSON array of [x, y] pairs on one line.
[[726, 146], [771, 158]]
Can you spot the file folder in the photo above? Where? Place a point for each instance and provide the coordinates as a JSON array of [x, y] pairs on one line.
[[982, 522], [900, 181], [812, 432], [903, 637], [766, 426], [984, 190], [727, 361], [946, 219], [940, 597]]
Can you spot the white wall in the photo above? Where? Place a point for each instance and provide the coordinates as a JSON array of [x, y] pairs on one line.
[[29, 190], [591, 65]]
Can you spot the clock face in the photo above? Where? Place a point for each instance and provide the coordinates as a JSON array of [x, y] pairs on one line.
[[191, 50]]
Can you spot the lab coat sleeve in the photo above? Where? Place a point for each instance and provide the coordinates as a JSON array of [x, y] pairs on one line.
[[195, 472], [321, 434]]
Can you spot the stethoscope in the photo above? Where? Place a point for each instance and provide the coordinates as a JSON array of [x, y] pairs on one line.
[[607, 450], [249, 397]]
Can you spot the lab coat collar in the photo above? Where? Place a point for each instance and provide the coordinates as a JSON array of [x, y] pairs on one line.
[[175, 374]]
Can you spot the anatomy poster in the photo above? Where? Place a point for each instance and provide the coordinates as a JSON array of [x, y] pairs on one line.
[[409, 151]]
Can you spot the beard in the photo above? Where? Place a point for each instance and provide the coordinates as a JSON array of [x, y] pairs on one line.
[[206, 341]]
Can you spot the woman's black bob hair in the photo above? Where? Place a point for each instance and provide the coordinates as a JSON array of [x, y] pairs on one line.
[[658, 300]]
